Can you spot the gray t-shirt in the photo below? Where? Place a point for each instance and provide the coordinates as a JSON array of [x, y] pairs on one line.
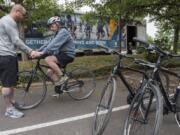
[[9, 38]]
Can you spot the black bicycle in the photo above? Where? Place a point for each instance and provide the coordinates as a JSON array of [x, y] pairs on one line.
[[146, 122], [32, 85], [130, 79]]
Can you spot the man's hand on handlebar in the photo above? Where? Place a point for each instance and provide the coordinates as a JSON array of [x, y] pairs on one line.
[[35, 54]]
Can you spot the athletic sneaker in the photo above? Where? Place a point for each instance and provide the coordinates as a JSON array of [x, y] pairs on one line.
[[12, 112], [61, 81]]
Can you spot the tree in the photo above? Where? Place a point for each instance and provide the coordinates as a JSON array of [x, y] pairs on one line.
[[166, 11], [37, 10], [164, 37], [3, 8]]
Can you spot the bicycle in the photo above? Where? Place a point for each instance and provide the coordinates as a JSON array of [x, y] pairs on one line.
[[104, 107], [159, 98], [32, 86]]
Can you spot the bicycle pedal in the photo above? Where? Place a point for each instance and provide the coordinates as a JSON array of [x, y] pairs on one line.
[[58, 90], [56, 95], [165, 110]]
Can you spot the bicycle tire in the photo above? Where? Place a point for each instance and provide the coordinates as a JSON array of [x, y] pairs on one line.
[[164, 79], [81, 83], [137, 116], [177, 114], [104, 108], [29, 97]]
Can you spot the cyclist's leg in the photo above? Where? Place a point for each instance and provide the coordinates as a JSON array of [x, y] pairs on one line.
[[52, 74], [63, 59], [52, 62], [57, 61]]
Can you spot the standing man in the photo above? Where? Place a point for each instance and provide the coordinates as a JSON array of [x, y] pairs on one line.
[[9, 41]]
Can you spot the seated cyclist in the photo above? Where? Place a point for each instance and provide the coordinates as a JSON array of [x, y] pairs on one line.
[[61, 49]]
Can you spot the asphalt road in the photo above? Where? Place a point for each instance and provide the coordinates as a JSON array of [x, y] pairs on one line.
[[64, 116]]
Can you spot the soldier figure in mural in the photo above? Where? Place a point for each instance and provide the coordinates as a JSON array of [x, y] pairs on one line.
[[88, 30], [71, 27], [80, 26]]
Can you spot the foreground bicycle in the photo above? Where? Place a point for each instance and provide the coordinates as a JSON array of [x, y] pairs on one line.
[[146, 122], [104, 107], [32, 85]]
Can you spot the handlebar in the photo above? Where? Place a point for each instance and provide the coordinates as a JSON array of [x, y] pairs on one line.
[[149, 46], [136, 61], [144, 63], [114, 51], [41, 57]]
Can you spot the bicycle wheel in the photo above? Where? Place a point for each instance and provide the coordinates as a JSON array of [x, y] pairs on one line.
[[31, 90], [81, 83], [164, 81], [145, 122], [177, 115], [104, 108]]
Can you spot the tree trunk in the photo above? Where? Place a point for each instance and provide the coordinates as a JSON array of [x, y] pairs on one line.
[[176, 38]]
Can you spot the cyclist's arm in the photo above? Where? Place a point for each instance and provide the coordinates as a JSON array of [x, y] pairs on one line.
[[14, 36], [57, 42], [42, 47]]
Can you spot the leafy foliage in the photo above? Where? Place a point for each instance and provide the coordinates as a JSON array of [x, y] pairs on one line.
[[165, 12], [39, 11], [164, 37], [3, 8]]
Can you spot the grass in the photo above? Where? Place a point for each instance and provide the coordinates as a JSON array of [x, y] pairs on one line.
[[98, 64], [101, 64]]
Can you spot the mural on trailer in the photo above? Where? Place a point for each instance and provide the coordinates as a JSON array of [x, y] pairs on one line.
[[86, 36], [84, 30]]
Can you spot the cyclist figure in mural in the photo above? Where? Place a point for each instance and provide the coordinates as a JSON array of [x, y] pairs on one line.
[[100, 30], [71, 26]]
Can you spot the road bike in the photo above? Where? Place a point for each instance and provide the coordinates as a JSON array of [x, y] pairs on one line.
[[32, 85], [132, 83]]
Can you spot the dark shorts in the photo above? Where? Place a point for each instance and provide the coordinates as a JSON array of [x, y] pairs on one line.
[[8, 71], [63, 59]]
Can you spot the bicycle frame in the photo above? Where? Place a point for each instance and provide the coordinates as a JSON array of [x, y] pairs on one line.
[[156, 77], [117, 70], [39, 67], [158, 69], [34, 71]]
